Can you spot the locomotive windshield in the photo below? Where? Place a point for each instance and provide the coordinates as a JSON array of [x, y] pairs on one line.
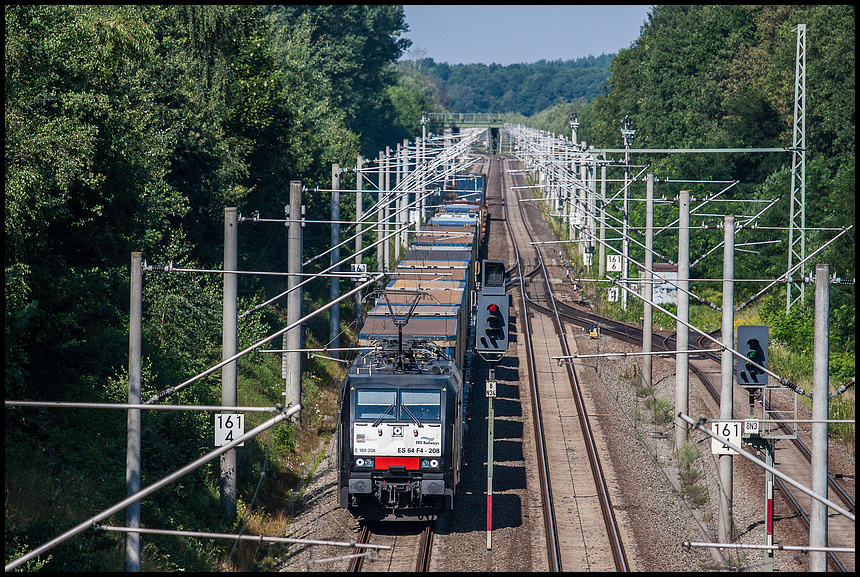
[[374, 404], [423, 405], [413, 404]]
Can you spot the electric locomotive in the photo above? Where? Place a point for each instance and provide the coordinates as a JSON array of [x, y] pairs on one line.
[[400, 434], [400, 451]]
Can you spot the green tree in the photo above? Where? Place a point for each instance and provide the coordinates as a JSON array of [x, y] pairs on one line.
[[86, 151], [411, 96], [354, 47], [557, 118], [85, 145]]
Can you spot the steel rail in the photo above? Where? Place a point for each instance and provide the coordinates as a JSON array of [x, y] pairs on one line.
[[610, 521], [553, 545], [425, 546], [612, 529], [357, 561]]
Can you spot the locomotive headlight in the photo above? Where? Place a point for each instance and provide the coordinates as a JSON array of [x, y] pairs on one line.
[[397, 432], [364, 462], [434, 463], [429, 463]]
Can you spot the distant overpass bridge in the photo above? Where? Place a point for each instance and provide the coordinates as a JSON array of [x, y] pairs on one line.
[[438, 122]]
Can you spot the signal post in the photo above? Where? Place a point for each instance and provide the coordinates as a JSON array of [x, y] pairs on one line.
[[491, 342], [753, 343]]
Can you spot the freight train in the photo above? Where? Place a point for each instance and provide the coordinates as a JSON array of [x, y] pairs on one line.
[[403, 401]]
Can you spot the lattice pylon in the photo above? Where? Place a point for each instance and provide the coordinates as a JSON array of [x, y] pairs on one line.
[[797, 222]]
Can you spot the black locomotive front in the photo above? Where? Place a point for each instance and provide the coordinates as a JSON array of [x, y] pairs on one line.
[[399, 441]]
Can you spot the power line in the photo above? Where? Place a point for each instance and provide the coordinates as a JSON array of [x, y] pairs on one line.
[[124, 406], [138, 496]]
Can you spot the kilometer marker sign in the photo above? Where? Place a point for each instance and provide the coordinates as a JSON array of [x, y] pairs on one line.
[[228, 428]]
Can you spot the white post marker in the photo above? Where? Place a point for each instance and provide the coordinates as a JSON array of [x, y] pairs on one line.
[[491, 394]]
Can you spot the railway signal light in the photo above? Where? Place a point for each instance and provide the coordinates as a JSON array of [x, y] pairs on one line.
[[494, 320], [491, 333], [491, 328], [753, 345]]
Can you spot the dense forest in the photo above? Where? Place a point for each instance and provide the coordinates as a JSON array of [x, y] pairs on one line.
[[724, 76], [520, 88], [130, 128]]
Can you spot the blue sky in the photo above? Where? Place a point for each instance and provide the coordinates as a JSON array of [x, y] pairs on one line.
[[503, 34]]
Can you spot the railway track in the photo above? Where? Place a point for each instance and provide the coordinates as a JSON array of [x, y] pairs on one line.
[[702, 365], [582, 531], [459, 545], [411, 545]]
